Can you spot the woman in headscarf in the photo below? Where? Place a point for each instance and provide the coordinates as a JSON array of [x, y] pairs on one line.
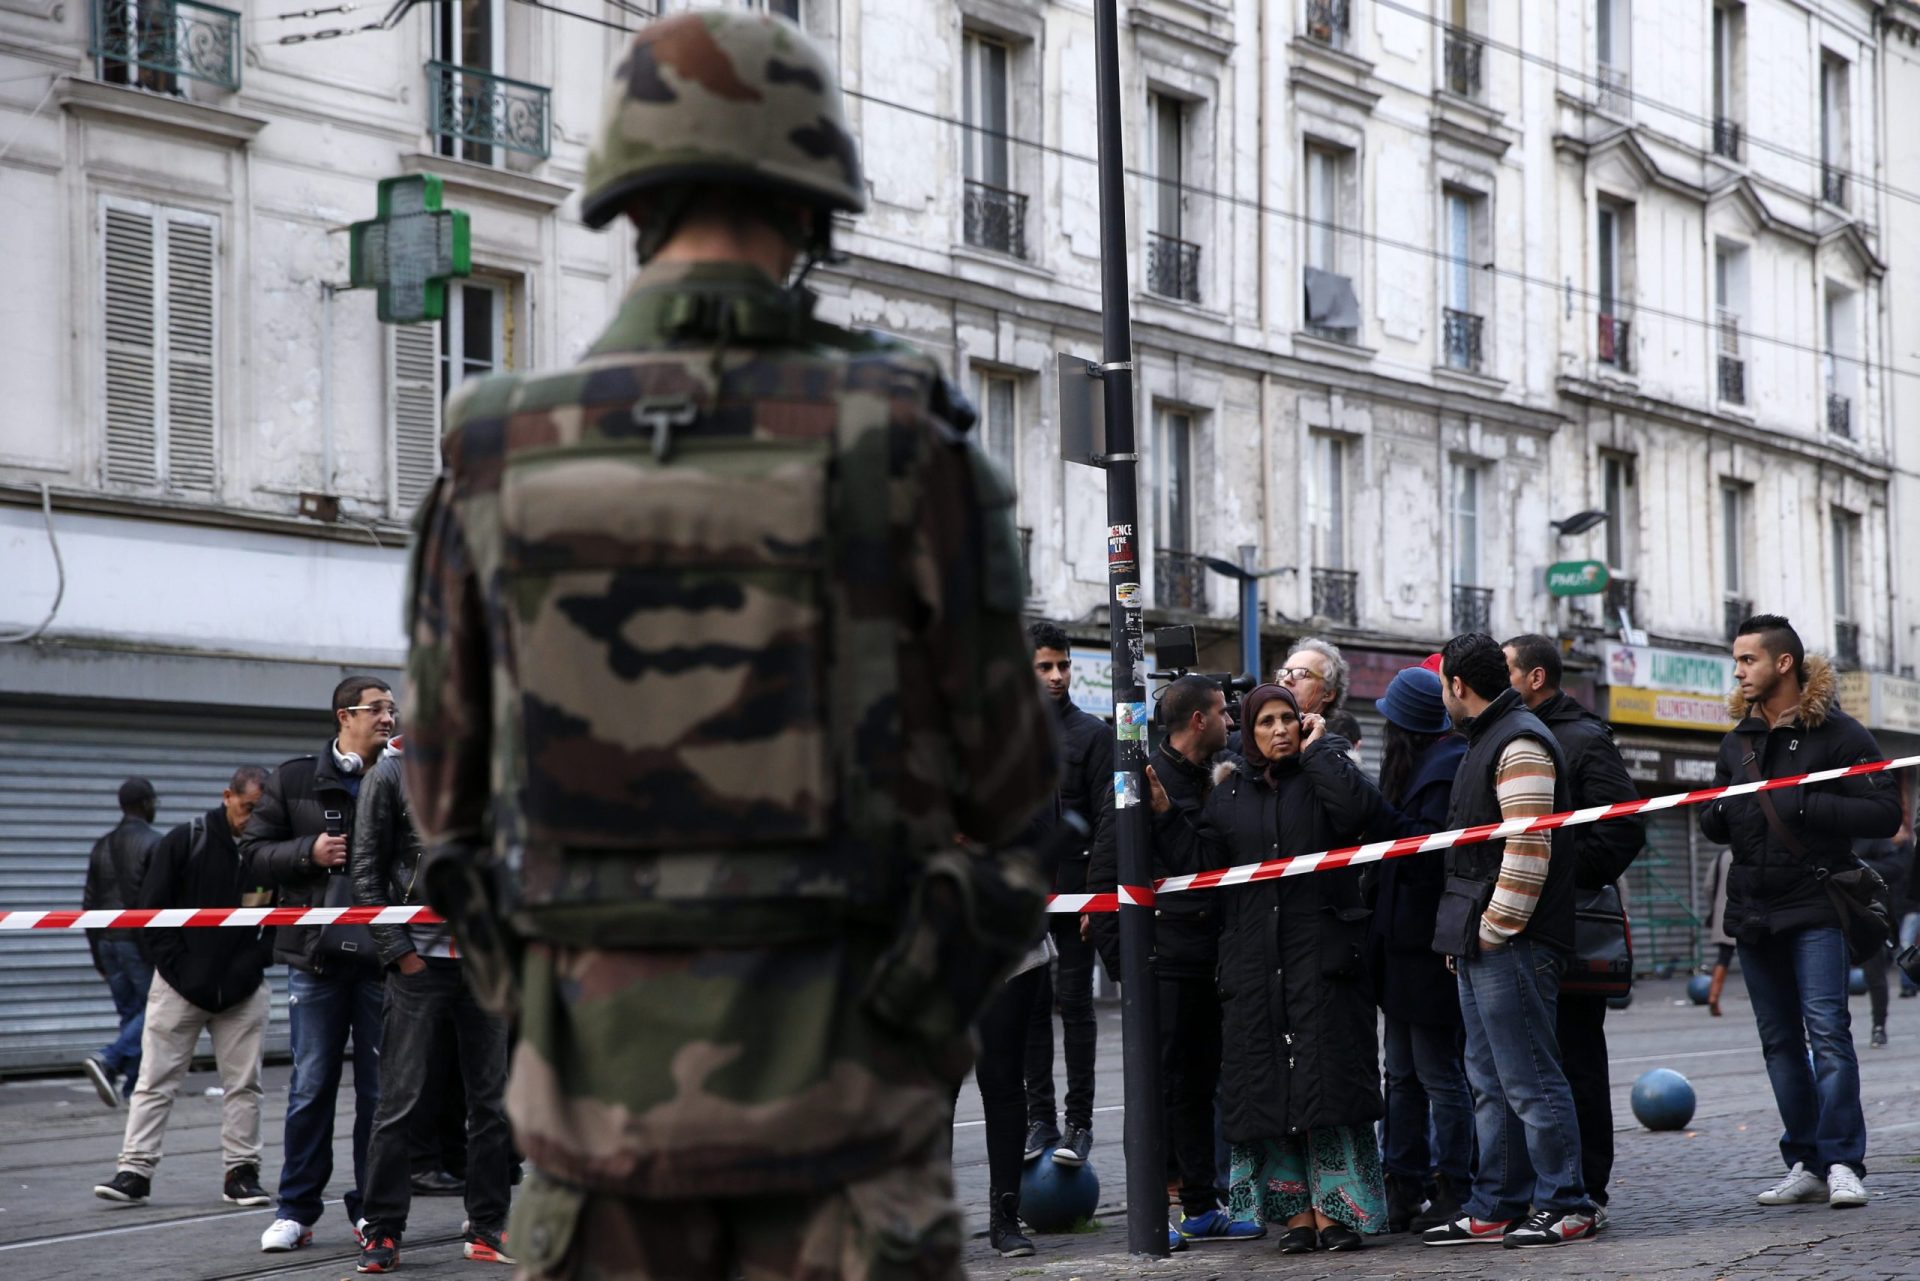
[[1300, 1076]]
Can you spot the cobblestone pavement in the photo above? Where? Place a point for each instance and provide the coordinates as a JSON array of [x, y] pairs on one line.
[[1683, 1202]]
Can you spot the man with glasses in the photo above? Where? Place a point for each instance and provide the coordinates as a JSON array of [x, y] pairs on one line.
[[1317, 675], [297, 840]]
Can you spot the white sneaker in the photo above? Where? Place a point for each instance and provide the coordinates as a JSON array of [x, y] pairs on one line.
[[285, 1234], [1844, 1189], [1800, 1185]]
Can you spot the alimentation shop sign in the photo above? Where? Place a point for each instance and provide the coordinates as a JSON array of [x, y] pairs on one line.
[[1668, 688]]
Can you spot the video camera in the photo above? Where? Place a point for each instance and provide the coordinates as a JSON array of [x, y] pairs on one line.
[[1176, 649]]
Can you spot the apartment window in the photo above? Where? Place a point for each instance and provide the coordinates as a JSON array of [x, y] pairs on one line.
[[1729, 308], [1736, 502], [1327, 500], [473, 338], [997, 398], [1330, 21], [1464, 490], [1846, 556], [1461, 322], [1619, 499], [789, 9], [1612, 247], [159, 272], [1612, 45], [1173, 478], [1462, 50], [1173, 261], [1840, 359], [995, 215], [426, 362], [1729, 31], [470, 35], [1835, 149], [1332, 305]]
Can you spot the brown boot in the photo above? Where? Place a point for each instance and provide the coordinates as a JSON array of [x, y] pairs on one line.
[[1713, 990]]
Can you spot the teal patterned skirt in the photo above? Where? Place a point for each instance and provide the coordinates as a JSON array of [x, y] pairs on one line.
[[1334, 1169]]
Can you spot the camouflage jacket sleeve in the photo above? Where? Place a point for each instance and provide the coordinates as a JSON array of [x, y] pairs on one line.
[[449, 680], [973, 586]]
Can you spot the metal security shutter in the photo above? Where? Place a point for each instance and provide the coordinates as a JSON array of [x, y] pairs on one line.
[[60, 770], [1663, 894], [413, 400]]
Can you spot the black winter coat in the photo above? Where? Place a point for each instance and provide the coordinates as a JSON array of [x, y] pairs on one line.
[[1300, 1041], [1411, 980], [115, 871], [1771, 889], [216, 969], [1086, 788], [384, 855], [279, 841], [1186, 927], [1596, 775]]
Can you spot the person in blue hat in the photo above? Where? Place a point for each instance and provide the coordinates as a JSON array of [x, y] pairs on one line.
[[1423, 1048]]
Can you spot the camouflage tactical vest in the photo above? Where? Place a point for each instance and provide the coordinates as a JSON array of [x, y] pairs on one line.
[[691, 553]]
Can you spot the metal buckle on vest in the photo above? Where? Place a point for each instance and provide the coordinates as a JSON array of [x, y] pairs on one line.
[[664, 414]]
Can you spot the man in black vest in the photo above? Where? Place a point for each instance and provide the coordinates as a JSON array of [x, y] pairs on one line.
[[1506, 924], [1602, 852], [115, 871]]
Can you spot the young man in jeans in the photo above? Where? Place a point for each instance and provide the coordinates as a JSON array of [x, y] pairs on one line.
[[1508, 955], [1793, 951]]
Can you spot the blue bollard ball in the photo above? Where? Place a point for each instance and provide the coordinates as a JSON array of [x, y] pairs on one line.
[[1857, 981], [1055, 1197], [1663, 1100], [1698, 988]]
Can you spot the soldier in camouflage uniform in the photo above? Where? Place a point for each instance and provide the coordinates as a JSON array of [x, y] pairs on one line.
[[715, 650]]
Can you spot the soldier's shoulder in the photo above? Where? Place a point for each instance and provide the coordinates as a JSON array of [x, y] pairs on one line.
[[479, 400]]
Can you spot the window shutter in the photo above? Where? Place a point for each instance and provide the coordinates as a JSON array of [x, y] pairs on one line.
[[190, 383], [413, 406], [128, 253]]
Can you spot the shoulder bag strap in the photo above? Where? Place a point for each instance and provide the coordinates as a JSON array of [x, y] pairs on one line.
[[1780, 830]]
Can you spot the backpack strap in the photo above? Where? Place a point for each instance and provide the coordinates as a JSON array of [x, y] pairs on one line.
[[197, 837]]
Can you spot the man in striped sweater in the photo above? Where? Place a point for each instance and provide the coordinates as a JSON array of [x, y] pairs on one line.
[[1506, 925]]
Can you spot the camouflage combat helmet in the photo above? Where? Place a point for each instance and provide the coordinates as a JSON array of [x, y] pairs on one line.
[[723, 97]]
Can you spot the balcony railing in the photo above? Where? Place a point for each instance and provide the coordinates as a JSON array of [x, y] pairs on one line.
[[1461, 334], [1726, 138], [1833, 185], [1328, 21], [1463, 64], [1472, 608], [1336, 595], [1614, 338], [1733, 379], [1173, 267], [1734, 610], [996, 219], [1179, 580], [1846, 644], [473, 106], [1613, 90], [1839, 416], [150, 43], [1620, 595]]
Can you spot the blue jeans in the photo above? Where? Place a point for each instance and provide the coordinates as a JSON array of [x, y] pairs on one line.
[[1798, 985], [1522, 1106], [322, 1010], [1424, 1067], [128, 978], [1909, 935]]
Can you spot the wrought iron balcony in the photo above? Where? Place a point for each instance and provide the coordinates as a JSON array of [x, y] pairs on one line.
[[1620, 595], [1461, 335], [1472, 608], [1179, 580], [1336, 595], [1839, 416], [1614, 90], [1463, 63], [1846, 644], [996, 219], [1614, 346], [152, 43], [1726, 138], [1734, 610], [1733, 379], [478, 107], [1173, 267], [1833, 185], [1328, 21]]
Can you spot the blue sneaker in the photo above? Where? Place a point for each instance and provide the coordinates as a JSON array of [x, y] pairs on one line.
[[1175, 1242], [1219, 1225]]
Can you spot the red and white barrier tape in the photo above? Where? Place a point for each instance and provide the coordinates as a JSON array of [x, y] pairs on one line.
[[1138, 895]]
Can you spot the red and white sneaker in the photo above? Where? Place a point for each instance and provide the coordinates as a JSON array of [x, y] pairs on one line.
[[487, 1247], [1467, 1230], [1550, 1227]]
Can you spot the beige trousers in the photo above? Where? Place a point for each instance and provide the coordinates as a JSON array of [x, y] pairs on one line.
[[166, 1052]]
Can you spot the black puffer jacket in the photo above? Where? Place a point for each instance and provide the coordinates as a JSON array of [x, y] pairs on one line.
[[1301, 1048], [115, 871], [1086, 788], [1411, 980], [216, 969], [1186, 927], [1596, 775], [1771, 888], [279, 841], [384, 855]]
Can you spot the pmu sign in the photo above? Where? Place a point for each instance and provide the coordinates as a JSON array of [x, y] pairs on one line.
[[1577, 578]]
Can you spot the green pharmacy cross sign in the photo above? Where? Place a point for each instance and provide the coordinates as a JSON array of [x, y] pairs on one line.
[[1577, 578], [411, 250]]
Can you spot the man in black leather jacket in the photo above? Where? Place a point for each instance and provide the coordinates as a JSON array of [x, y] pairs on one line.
[[114, 873], [1602, 852], [425, 986], [1086, 788]]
